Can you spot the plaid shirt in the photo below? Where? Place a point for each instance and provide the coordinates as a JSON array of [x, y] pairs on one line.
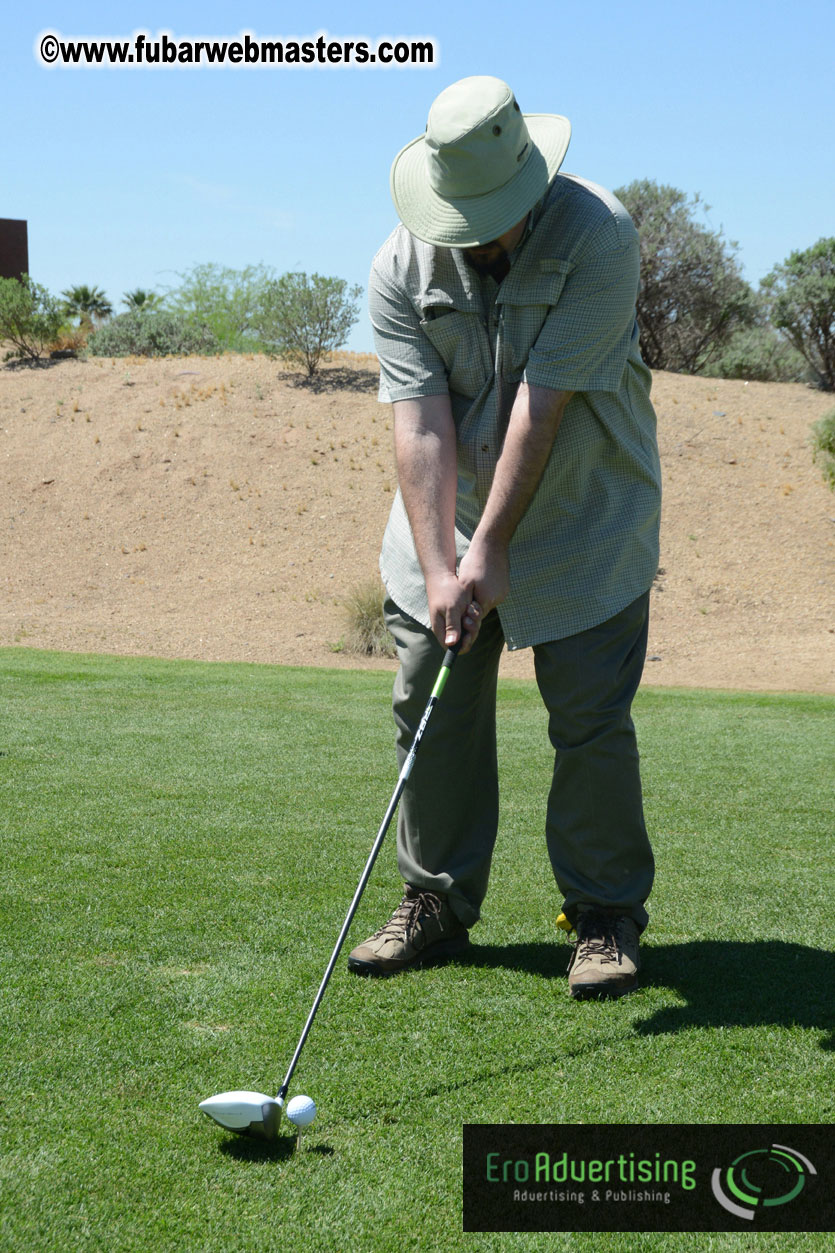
[[562, 318]]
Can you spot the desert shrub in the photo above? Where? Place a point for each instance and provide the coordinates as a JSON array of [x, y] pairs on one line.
[[152, 334], [227, 301], [823, 446], [692, 297], [71, 339], [802, 297], [30, 318], [366, 632], [303, 317], [758, 353]]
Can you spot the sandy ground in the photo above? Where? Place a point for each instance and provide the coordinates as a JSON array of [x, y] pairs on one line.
[[220, 509]]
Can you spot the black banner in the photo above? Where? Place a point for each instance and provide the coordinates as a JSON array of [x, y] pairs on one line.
[[672, 1177]]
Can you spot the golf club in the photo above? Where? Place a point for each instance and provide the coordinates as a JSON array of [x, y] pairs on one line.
[[254, 1113]]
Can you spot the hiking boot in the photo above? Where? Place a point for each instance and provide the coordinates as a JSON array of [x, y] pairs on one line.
[[605, 958], [422, 930]]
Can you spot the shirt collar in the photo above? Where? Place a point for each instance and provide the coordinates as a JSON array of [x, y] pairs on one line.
[[533, 217]]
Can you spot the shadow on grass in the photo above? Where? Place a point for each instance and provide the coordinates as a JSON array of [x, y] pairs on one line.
[[550, 961], [725, 983], [735, 984], [253, 1149]]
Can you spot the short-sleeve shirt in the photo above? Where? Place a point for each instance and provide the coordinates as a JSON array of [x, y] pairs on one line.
[[562, 318]]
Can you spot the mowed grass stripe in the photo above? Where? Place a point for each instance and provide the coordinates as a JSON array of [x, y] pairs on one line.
[[180, 844]]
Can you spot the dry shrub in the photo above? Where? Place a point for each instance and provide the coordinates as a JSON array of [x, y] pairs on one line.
[[367, 633], [71, 338]]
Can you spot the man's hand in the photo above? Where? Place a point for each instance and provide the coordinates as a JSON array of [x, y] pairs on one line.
[[458, 605], [453, 612], [485, 572], [424, 439]]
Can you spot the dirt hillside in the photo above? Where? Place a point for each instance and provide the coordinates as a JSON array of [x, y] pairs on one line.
[[219, 509]]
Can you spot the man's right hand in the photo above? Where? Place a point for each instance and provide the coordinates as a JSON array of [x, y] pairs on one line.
[[452, 611]]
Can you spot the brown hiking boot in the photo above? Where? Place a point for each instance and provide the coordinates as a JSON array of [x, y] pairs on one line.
[[605, 959], [421, 931]]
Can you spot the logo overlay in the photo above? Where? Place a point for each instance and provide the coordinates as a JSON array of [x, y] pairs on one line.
[[672, 1177], [782, 1171]]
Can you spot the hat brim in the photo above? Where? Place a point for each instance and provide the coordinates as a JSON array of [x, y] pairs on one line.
[[472, 220]]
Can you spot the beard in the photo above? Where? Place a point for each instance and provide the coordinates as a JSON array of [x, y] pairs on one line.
[[488, 261]]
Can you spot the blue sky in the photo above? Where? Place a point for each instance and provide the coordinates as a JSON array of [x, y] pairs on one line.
[[128, 177]]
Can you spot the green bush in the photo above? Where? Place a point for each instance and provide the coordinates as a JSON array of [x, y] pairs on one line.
[[801, 292], [304, 317], [692, 297], [758, 353], [30, 318], [152, 334], [227, 301], [823, 446]]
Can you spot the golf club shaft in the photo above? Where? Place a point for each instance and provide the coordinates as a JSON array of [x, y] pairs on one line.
[[406, 770]]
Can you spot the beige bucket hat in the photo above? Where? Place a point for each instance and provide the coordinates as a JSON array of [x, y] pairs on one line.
[[479, 167]]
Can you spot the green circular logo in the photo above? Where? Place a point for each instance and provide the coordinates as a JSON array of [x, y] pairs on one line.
[[760, 1179]]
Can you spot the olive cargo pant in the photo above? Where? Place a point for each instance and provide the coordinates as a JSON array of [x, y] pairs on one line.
[[596, 837]]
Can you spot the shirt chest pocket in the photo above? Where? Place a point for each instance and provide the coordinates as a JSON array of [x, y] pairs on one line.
[[526, 306], [461, 340]]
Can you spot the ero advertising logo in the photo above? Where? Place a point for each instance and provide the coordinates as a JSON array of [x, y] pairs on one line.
[[761, 1178], [651, 1177]]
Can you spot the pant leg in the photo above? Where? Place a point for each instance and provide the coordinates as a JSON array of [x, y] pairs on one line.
[[449, 811], [596, 835]]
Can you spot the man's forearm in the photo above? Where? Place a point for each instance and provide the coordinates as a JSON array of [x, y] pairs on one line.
[[427, 469], [534, 421], [425, 447]]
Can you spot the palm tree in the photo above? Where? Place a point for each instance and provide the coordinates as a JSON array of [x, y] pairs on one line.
[[86, 303], [140, 299]]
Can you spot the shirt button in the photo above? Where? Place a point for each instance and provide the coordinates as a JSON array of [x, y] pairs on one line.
[[485, 447]]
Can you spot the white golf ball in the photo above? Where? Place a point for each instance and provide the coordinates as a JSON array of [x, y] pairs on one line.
[[301, 1111]]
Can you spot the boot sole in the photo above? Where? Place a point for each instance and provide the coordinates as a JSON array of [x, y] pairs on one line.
[[602, 992], [435, 955]]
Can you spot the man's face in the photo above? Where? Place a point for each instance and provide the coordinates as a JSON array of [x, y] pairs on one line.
[[484, 258]]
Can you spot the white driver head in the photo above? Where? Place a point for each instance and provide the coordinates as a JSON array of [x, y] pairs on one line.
[[247, 1113]]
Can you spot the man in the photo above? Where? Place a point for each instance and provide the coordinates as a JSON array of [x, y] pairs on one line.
[[527, 514]]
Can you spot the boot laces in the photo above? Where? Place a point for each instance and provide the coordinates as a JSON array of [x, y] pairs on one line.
[[406, 918], [598, 935]]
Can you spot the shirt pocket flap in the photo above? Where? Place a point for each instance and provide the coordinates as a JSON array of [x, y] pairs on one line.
[[526, 305], [542, 288], [461, 340]]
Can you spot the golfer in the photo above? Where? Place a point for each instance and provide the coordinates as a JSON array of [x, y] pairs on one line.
[[527, 515]]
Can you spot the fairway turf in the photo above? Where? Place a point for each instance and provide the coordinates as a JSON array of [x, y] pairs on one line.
[[180, 843]]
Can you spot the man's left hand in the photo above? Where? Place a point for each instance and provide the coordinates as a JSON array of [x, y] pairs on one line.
[[485, 572]]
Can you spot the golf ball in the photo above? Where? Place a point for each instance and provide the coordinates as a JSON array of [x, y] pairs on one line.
[[301, 1111]]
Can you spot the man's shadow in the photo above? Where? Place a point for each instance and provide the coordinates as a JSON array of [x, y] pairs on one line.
[[726, 983]]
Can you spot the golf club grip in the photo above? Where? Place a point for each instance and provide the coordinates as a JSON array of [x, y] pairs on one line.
[[452, 652], [449, 658]]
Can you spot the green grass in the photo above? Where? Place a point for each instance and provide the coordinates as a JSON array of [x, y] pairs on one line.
[[180, 843]]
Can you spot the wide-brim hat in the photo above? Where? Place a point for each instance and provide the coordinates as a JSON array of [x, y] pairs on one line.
[[480, 166]]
